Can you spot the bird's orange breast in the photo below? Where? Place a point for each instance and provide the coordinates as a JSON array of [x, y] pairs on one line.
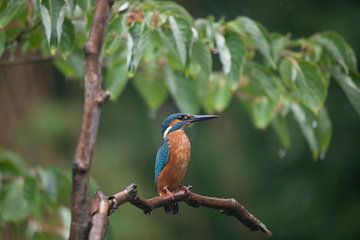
[[179, 156]]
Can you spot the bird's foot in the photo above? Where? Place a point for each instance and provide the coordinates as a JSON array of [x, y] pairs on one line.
[[186, 188], [169, 193]]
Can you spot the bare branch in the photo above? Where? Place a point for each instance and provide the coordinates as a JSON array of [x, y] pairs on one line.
[[80, 209], [229, 206], [100, 208]]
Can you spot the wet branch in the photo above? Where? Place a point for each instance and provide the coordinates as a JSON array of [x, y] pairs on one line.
[[229, 206]]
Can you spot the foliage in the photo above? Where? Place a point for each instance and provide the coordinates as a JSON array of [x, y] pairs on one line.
[[163, 50], [33, 200]]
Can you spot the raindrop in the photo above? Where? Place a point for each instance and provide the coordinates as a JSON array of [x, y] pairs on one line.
[[282, 153], [314, 124], [322, 156]]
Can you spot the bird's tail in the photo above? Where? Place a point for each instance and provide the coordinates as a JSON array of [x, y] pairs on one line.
[[171, 208]]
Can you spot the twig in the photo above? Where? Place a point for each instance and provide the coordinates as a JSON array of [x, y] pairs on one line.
[[228, 206], [80, 209]]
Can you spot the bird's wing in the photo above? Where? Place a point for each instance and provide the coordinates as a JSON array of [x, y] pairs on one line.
[[162, 158]]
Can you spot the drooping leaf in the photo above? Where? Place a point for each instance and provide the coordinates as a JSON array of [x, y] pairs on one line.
[[222, 93], [316, 129], [151, 85], [49, 183], [14, 206], [67, 39], [282, 131], [10, 12], [311, 85], [200, 65], [172, 9], [262, 111], [46, 21], [137, 39], [264, 80], [116, 78], [179, 39], [278, 44], [237, 52], [224, 53], [339, 50], [65, 216], [260, 37], [288, 73], [183, 91], [11, 163], [114, 38], [73, 66], [350, 85], [52, 16]]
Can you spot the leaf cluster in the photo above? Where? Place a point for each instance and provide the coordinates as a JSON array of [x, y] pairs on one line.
[[32, 201], [203, 64]]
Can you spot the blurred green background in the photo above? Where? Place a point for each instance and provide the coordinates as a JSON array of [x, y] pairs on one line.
[[294, 196]]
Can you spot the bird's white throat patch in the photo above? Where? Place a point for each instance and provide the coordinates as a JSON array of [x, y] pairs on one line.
[[167, 132]]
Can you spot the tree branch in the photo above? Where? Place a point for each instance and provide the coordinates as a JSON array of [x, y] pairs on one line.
[[228, 206], [94, 95]]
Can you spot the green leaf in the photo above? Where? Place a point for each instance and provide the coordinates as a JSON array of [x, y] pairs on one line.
[[114, 39], [179, 39], [311, 85], [13, 203], [59, 23], [264, 80], [222, 93], [350, 85], [200, 66], [116, 78], [260, 37], [52, 16], [316, 129], [151, 86], [288, 73], [2, 43], [339, 50], [281, 129], [10, 12], [136, 43], [46, 21], [11, 163], [72, 67], [278, 44], [237, 52], [183, 91], [65, 216], [66, 43], [263, 112], [173, 9], [224, 53], [49, 183]]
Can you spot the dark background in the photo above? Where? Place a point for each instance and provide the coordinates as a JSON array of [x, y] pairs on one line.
[[297, 198]]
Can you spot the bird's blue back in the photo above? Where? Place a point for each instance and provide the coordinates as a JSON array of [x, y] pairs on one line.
[[162, 158]]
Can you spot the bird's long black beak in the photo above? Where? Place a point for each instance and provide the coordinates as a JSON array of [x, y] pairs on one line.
[[200, 118]]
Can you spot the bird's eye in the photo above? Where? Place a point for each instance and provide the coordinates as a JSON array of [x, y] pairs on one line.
[[183, 117]]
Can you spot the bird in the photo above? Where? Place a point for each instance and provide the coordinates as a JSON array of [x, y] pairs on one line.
[[173, 155]]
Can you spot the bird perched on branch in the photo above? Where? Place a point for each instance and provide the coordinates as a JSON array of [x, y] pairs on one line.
[[173, 155]]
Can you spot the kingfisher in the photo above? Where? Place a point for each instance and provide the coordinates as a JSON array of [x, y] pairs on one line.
[[173, 156]]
